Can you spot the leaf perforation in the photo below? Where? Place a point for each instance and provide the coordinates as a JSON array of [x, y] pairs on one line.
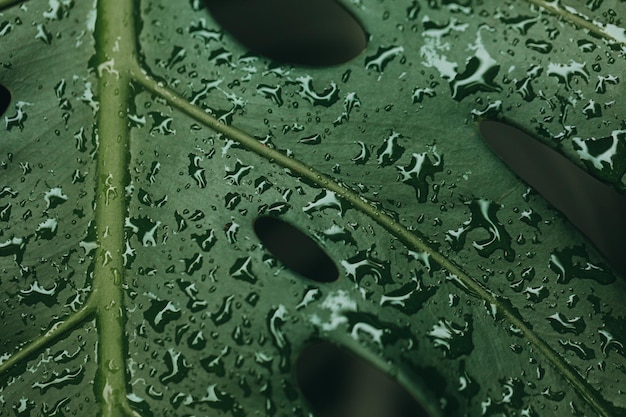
[[134, 71]]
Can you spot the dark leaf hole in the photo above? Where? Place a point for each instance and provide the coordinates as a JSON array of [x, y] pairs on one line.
[[338, 383], [595, 208], [5, 99], [295, 249], [303, 32]]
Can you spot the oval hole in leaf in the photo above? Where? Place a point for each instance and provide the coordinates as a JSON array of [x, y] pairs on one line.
[[295, 249], [304, 32], [594, 207], [338, 383], [5, 99]]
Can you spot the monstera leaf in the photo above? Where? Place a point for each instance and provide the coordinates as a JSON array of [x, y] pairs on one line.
[[142, 146]]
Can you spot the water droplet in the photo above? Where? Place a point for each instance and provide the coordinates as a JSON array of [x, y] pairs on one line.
[[454, 339], [483, 216], [365, 264], [383, 57], [563, 325]]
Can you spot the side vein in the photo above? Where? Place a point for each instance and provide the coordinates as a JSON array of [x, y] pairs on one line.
[[580, 20], [47, 339]]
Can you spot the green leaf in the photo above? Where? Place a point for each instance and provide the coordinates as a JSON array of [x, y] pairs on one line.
[[141, 143]]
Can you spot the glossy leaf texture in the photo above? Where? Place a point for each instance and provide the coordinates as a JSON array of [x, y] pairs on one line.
[[142, 143]]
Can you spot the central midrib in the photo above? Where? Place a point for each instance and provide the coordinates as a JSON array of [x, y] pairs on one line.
[[115, 49]]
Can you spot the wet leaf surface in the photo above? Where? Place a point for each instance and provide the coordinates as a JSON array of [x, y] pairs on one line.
[[133, 174]]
